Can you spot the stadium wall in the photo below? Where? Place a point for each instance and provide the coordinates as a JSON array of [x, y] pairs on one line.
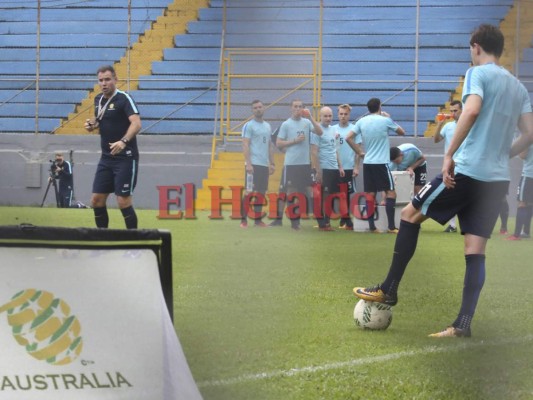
[[164, 161]]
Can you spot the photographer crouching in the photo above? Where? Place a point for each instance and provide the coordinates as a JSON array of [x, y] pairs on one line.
[[62, 170]]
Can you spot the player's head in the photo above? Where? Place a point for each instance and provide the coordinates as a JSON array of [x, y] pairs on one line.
[[59, 157], [343, 113], [456, 107], [488, 39], [258, 109], [373, 105], [296, 108], [326, 116], [396, 155], [107, 80]]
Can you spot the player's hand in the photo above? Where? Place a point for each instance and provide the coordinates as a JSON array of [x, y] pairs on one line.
[[410, 170], [271, 169], [385, 114], [91, 124], [341, 172], [306, 113], [355, 172], [299, 139], [117, 147], [249, 168], [448, 172]]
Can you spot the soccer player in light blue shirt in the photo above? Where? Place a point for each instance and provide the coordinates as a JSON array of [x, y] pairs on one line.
[[408, 157], [330, 170], [294, 137], [373, 131], [473, 185], [258, 157], [347, 157], [445, 132]]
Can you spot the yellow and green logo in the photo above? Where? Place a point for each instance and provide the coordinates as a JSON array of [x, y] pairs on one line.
[[44, 325]]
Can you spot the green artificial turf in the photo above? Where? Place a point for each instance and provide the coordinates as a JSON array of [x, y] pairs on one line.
[[267, 313]]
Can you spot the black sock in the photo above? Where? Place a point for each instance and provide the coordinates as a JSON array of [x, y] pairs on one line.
[[390, 208], [129, 217], [404, 248], [473, 283], [521, 215], [371, 204], [101, 217], [527, 222], [504, 214]]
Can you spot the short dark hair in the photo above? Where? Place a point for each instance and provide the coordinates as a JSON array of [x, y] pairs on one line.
[[395, 153], [457, 103], [373, 104], [490, 38], [105, 68]]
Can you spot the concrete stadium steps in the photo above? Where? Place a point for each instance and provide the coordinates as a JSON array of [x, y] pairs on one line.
[[149, 48], [228, 170]]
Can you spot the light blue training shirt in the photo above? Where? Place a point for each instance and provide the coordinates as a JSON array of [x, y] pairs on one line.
[[260, 134], [346, 153], [485, 155], [296, 154], [373, 131], [327, 148], [411, 153]]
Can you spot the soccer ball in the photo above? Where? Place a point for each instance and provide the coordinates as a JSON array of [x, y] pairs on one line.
[[372, 315]]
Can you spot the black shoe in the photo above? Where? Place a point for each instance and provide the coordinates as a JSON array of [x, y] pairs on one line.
[[276, 222], [450, 229]]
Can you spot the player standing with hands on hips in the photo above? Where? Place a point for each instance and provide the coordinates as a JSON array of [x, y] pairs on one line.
[[474, 184], [117, 118]]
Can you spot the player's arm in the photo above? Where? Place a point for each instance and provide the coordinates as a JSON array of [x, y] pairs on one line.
[[354, 146], [471, 110], [419, 161], [272, 164], [400, 131], [246, 153], [525, 126], [357, 164], [437, 137]]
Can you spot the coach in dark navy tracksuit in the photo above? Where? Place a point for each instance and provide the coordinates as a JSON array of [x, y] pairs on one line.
[[62, 171], [117, 117]]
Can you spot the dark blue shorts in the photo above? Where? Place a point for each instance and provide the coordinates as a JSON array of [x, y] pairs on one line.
[[296, 177], [260, 177], [476, 203], [421, 174], [377, 178], [116, 175]]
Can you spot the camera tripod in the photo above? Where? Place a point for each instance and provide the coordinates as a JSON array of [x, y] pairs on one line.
[[52, 182]]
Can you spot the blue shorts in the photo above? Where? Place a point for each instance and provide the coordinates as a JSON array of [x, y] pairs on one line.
[[377, 178], [116, 175], [296, 177], [260, 178], [476, 203], [421, 175]]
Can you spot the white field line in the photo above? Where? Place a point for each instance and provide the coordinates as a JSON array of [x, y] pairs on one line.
[[465, 344]]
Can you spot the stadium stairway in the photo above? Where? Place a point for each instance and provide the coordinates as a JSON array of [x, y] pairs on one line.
[[228, 170], [150, 47]]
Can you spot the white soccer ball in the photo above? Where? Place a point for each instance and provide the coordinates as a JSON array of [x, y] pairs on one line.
[[372, 315]]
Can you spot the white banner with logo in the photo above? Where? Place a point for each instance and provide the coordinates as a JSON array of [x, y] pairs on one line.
[[87, 324]]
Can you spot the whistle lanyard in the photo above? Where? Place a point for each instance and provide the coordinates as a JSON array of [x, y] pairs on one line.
[[101, 110]]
